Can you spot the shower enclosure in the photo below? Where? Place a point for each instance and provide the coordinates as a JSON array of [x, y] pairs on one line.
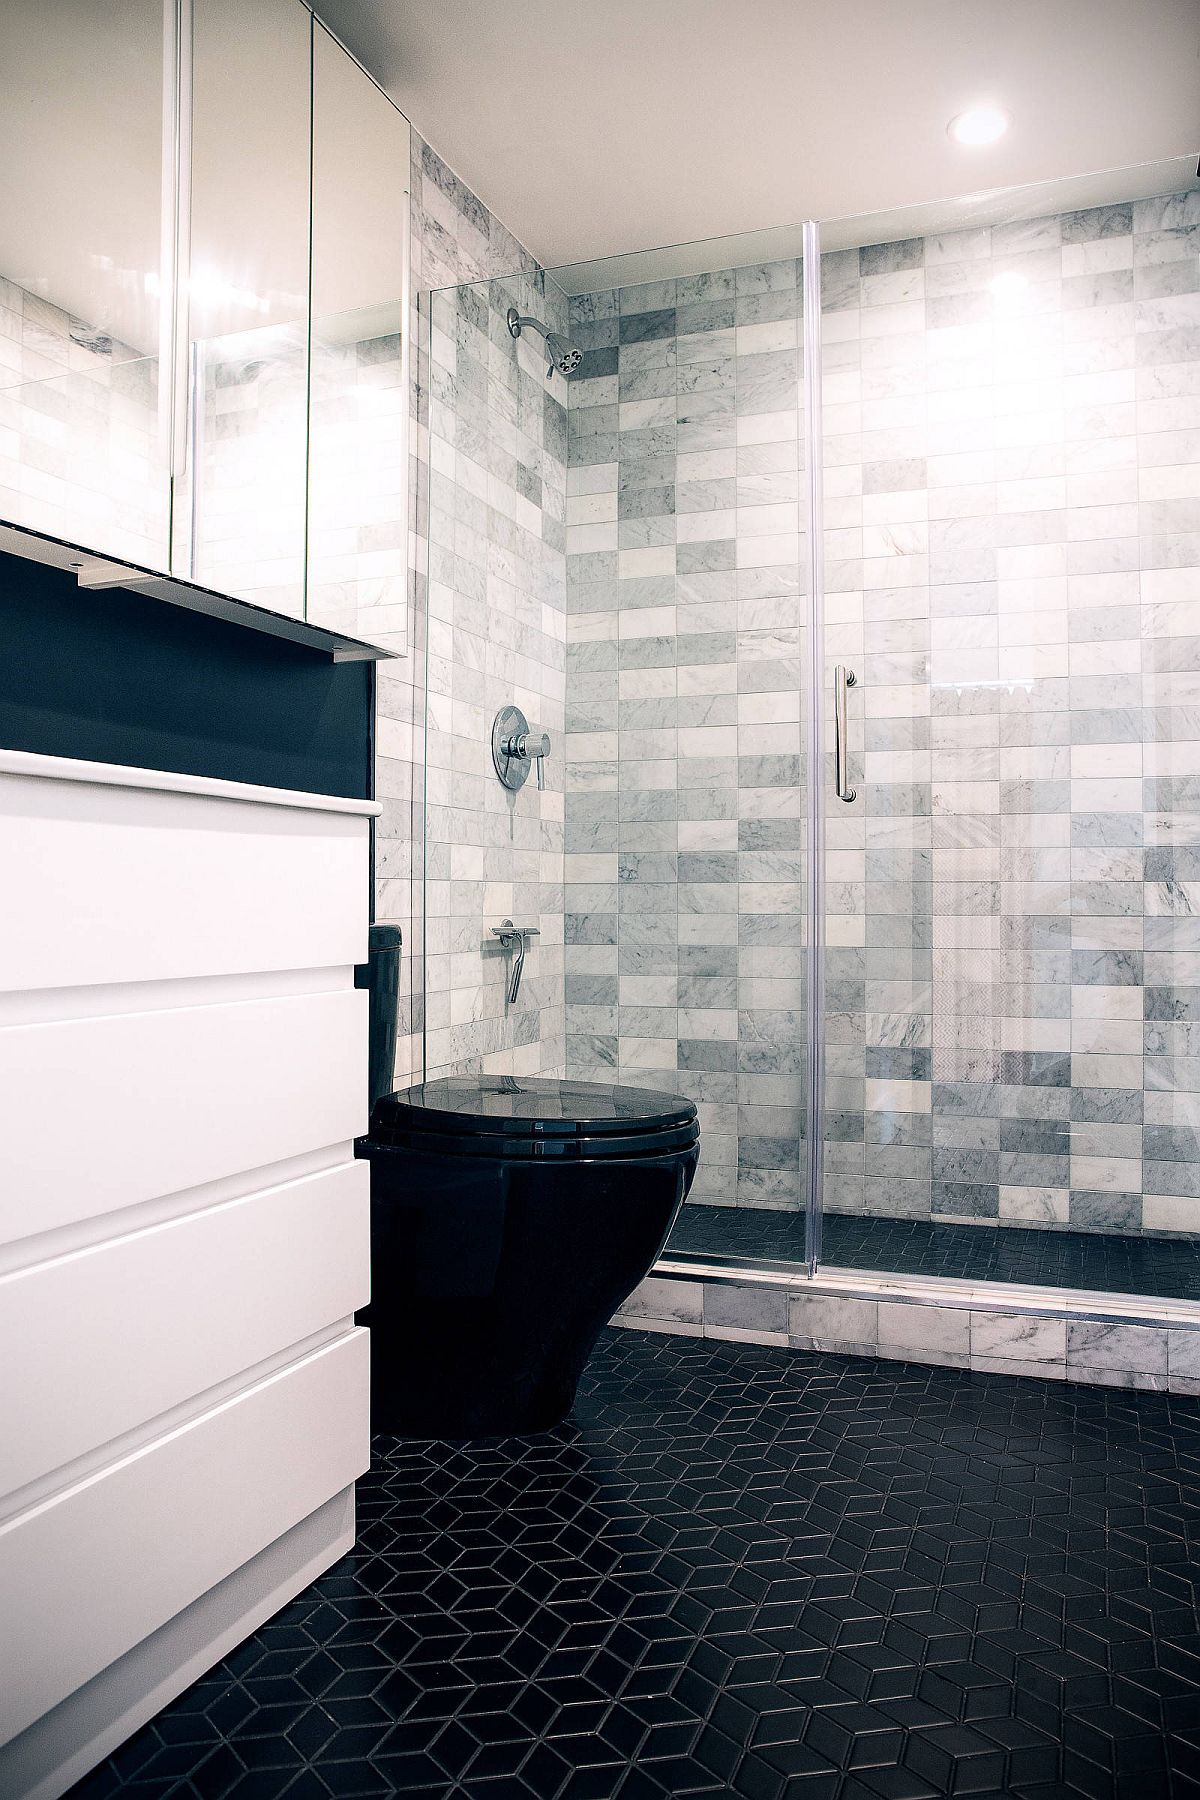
[[854, 573]]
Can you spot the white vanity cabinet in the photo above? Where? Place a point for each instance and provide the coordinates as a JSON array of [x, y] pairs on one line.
[[183, 1233]]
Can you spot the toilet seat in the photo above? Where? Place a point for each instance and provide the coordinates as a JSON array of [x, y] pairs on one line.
[[533, 1118]]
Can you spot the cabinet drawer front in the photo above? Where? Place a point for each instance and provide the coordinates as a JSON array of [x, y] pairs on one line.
[[97, 1114], [112, 884], [88, 1575], [112, 1337]]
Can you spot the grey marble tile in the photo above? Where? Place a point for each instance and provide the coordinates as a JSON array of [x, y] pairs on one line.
[[1122, 1348]]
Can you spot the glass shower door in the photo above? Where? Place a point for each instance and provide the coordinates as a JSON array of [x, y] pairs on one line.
[[1012, 546]]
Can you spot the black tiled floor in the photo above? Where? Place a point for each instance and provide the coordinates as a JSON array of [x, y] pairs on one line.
[[739, 1571], [1167, 1267]]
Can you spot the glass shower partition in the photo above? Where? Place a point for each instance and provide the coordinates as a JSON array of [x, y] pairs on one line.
[[1012, 566], [920, 489], [688, 645], [624, 553]]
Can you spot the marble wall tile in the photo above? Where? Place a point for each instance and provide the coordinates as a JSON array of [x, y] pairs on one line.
[[1136, 1348], [1041, 1344], [487, 606], [660, 1298], [1016, 1338], [816, 1318], [756, 1308], [942, 1330], [1183, 1356]]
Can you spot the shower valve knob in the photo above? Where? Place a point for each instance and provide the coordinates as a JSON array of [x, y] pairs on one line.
[[515, 745], [532, 746]]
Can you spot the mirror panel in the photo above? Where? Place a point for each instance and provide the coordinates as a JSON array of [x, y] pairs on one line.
[[247, 295], [358, 454], [83, 267]]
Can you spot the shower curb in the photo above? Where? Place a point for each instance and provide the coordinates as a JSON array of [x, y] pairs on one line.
[[1055, 1334]]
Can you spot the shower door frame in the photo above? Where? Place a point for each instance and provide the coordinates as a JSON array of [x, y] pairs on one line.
[[812, 1150]]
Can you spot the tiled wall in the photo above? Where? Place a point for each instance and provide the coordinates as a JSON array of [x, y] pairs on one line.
[[684, 849], [497, 636], [1012, 448], [486, 551]]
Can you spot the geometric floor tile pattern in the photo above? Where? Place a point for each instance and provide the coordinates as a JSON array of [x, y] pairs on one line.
[[1100, 1262], [737, 1571]]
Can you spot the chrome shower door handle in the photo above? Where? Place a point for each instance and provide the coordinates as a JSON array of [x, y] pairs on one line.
[[843, 678]]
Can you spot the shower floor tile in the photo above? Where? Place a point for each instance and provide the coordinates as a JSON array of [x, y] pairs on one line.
[[738, 1571], [1166, 1267]]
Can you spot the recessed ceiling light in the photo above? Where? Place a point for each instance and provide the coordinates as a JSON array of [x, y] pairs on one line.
[[979, 125]]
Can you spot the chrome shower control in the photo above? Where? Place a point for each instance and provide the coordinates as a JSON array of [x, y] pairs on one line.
[[515, 745]]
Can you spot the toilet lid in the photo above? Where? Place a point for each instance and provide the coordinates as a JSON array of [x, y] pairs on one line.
[[516, 1109]]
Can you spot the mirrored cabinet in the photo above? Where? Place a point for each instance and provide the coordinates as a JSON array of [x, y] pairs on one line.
[[358, 368], [203, 302], [86, 230]]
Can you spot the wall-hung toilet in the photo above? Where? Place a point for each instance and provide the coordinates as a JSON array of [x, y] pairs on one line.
[[509, 1220]]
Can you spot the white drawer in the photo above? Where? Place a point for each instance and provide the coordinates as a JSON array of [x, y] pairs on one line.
[[111, 1337], [114, 884], [102, 1113], [89, 1574]]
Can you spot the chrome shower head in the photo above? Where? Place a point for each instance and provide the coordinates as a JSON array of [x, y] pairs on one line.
[[561, 354]]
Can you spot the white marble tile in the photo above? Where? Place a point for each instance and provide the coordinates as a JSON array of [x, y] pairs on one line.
[[1005, 1365], [735, 1334], [938, 1359], [832, 1317], [1119, 1348], [921, 1329], [1136, 1379], [661, 1298], [748, 1308], [671, 1327], [1183, 1355], [1016, 1338]]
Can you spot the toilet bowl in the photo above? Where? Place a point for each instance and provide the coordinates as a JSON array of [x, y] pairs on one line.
[[509, 1220]]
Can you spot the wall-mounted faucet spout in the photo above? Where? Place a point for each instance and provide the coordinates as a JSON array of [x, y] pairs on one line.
[[515, 937]]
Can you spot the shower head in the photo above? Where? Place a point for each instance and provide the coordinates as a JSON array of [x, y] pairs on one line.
[[561, 354]]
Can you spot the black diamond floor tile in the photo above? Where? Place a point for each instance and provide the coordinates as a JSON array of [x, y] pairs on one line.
[[1099, 1262], [737, 1571]]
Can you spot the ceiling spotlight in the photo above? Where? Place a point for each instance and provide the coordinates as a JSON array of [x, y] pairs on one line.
[[979, 125]]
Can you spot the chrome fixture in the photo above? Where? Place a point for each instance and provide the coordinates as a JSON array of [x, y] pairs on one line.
[[515, 937], [515, 745], [561, 354], [843, 678]]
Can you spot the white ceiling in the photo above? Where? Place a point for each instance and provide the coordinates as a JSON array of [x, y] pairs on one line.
[[595, 127]]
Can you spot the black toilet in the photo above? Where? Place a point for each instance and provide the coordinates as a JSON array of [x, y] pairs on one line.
[[509, 1220]]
